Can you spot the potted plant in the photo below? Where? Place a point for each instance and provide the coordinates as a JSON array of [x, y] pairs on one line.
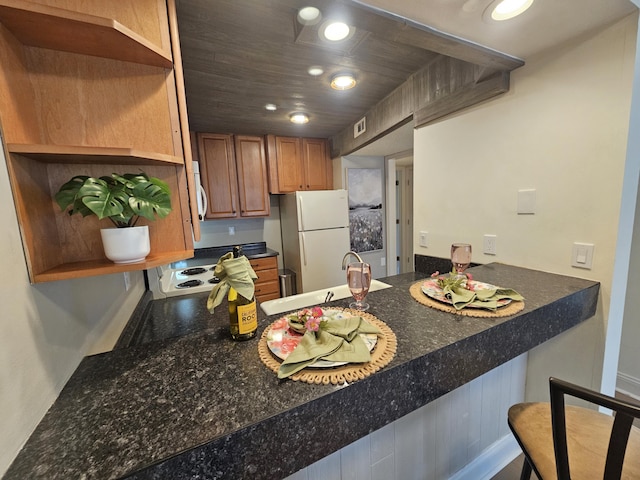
[[123, 199]]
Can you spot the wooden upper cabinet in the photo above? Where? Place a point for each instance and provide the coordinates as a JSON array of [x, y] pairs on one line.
[[92, 88], [253, 184], [218, 174], [298, 164], [290, 169], [316, 164], [234, 175]]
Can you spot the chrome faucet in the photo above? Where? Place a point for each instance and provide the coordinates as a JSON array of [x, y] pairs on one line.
[[346, 255]]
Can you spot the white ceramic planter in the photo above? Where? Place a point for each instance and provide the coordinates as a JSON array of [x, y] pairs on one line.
[[126, 245]]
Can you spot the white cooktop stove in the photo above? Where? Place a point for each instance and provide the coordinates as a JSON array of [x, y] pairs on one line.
[[189, 280], [195, 275]]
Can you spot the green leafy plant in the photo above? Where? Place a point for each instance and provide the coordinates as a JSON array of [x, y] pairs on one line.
[[121, 198], [453, 280]]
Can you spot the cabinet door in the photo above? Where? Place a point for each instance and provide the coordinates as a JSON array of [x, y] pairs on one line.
[[218, 173], [290, 167], [251, 165], [316, 164]]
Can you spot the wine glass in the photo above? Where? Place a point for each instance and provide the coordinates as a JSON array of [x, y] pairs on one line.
[[359, 281], [460, 256]]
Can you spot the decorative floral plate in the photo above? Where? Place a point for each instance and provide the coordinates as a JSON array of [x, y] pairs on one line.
[[431, 289], [281, 340]]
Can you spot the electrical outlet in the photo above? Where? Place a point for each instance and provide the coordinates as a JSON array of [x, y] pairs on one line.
[[232, 231], [423, 238], [383, 262], [490, 245]]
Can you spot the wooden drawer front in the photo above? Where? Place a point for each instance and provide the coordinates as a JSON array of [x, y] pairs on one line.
[[264, 264], [267, 288], [268, 283], [270, 275]]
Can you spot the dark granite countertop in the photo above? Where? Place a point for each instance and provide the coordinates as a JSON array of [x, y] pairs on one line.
[[202, 406]]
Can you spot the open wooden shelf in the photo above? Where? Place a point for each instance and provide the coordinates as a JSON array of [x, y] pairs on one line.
[[103, 267], [96, 155], [59, 29], [88, 96]]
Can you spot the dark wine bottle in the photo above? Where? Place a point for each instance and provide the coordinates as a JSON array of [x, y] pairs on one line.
[[243, 315]]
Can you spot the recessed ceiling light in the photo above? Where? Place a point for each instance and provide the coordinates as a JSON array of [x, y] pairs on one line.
[[299, 118], [271, 107], [315, 70], [336, 31], [343, 81], [309, 15], [506, 9]]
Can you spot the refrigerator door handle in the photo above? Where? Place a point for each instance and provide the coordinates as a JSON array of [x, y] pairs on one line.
[[304, 250], [301, 214]]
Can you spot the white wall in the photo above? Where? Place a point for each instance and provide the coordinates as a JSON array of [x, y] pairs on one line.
[[47, 329], [215, 233], [562, 130]]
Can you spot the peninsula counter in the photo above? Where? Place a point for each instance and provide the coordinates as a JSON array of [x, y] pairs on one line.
[[198, 405]]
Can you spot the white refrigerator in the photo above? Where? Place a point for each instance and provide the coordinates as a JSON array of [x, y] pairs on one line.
[[315, 237]]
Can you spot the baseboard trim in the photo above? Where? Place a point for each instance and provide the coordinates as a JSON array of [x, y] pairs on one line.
[[490, 461], [628, 385]]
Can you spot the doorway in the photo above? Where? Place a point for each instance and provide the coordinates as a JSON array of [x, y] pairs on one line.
[[399, 173]]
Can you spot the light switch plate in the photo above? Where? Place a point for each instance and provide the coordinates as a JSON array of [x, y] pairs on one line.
[[423, 238], [527, 202], [582, 255]]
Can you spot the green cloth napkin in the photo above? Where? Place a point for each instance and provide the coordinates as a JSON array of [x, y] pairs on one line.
[[233, 273], [485, 298], [337, 341]]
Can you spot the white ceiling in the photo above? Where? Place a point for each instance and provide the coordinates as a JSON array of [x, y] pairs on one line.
[[545, 24]]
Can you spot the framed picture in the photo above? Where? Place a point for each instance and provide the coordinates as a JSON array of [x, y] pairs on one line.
[[365, 208]]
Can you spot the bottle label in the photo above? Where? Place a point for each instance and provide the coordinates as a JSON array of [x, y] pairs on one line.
[[247, 318]]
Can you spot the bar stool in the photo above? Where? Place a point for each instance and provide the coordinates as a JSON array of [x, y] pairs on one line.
[[558, 439]]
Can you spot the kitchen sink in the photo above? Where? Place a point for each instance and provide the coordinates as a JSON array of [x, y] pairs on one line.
[[279, 305]]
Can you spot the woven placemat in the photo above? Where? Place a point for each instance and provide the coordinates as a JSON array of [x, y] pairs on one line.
[[381, 355], [418, 295]]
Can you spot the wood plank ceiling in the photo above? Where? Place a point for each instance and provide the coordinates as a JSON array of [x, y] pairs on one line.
[[239, 55]]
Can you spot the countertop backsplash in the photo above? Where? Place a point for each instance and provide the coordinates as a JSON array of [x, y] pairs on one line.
[[247, 230]]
